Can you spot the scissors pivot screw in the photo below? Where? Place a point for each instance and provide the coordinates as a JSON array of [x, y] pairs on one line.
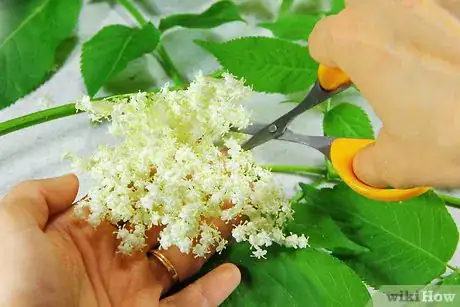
[[272, 128]]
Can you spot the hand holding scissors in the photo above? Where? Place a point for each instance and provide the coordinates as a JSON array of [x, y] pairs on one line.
[[341, 151]]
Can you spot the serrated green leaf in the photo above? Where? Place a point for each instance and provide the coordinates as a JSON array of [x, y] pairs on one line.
[[347, 120], [292, 278], [29, 37], [217, 14], [111, 49], [321, 229], [268, 64], [292, 27], [409, 242]]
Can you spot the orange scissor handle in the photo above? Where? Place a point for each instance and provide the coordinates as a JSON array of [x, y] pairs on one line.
[[343, 152], [331, 79]]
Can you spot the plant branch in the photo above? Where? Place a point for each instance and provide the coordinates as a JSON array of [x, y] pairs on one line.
[[50, 114], [450, 200], [295, 169], [47, 115], [37, 118], [452, 268]]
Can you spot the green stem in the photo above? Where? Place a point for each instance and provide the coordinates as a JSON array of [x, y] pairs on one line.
[[164, 59], [218, 74], [169, 67], [37, 118], [295, 169], [297, 197], [133, 11], [47, 115], [452, 268], [450, 200]]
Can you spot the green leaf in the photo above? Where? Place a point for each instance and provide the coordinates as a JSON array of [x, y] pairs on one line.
[[292, 278], [62, 55], [29, 36], [347, 120], [409, 242], [292, 27], [321, 229], [216, 15], [111, 49], [268, 64]]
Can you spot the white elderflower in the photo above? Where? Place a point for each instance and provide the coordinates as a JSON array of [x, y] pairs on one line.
[[168, 171]]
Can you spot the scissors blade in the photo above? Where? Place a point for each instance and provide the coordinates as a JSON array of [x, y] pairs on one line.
[[279, 126], [320, 143], [260, 134]]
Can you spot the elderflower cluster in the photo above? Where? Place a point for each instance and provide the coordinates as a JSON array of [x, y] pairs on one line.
[[168, 171]]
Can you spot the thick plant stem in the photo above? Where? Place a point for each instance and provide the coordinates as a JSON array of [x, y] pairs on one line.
[[37, 118]]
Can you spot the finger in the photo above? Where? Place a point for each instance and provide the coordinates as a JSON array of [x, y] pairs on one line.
[[35, 201], [152, 237], [210, 290], [189, 264], [321, 41], [393, 162], [151, 242]]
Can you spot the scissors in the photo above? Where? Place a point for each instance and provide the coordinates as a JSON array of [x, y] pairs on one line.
[[340, 151]]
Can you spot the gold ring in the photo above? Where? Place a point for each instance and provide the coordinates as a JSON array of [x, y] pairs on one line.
[[167, 264]]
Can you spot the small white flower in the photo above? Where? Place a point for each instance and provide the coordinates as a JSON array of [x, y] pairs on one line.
[[233, 147], [147, 202], [200, 250], [259, 253], [239, 233]]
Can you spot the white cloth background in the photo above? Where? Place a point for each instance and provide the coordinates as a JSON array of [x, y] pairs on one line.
[[37, 152]]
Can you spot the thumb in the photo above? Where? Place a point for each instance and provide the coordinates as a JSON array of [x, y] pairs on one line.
[[35, 201], [366, 167], [210, 290], [389, 162]]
